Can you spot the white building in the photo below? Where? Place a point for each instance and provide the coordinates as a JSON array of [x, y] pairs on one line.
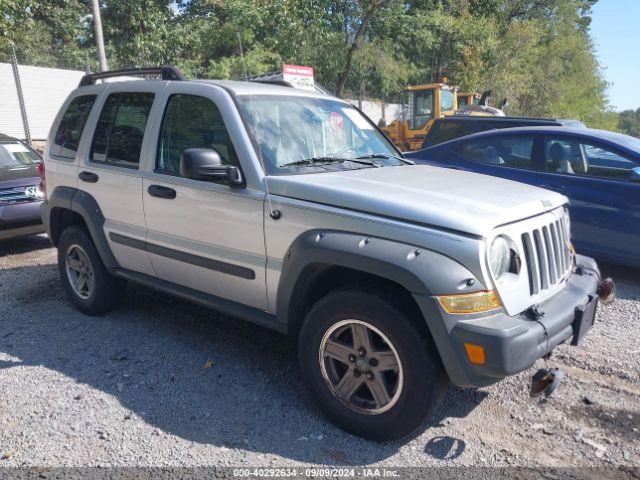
[[44, 89]]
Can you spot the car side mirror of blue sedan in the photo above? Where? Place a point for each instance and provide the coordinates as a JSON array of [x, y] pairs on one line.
[[635, 175]]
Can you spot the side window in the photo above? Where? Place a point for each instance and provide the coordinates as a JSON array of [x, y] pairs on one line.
[[586, 159], [450, 130], [67, 138], [120, 130], [191, 121], [564, 156], [604, 163], [509, 151]]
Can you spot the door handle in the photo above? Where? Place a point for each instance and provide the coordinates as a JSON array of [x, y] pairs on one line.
[[552, 187], [161, 192], [88, 177]]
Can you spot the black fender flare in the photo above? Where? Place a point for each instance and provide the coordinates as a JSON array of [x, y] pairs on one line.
[[82, 203], [418, 270]]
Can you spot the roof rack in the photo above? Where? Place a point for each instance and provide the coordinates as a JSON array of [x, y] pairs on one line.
[[166, 73]]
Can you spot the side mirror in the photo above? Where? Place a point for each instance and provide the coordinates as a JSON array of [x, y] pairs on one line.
[[634, 175], [206, 164]]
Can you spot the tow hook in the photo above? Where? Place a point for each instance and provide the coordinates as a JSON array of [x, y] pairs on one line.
[[545, 382], [606, 291]]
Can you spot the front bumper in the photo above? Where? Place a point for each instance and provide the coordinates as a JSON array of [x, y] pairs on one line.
[[513, 344], [20, 219]]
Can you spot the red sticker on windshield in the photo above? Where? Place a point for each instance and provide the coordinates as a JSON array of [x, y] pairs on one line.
[[335, 121]]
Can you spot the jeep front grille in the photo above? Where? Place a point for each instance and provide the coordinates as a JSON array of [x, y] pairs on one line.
[[547, 255], [15, 195]]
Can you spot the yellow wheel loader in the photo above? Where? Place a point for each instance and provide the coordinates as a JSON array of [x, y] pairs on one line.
[[424, 104]]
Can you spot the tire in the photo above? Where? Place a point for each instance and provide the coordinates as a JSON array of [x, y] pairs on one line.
[[103, 291], [414, 388]]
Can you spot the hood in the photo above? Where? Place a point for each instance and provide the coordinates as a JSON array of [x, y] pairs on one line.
[[441, 197], [19, 174]]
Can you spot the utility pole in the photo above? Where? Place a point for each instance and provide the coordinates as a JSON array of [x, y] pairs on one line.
[[97, 25]]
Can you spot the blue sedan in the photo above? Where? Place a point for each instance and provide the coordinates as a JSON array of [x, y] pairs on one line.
[[599, 171]]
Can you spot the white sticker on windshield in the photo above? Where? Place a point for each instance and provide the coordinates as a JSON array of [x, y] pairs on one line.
[[15, 147], [357, 119]]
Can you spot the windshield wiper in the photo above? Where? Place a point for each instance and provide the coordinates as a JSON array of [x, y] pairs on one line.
[[386, 155], [325, 160]]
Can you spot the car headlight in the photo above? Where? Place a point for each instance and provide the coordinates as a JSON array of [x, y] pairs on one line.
[[499, 257]]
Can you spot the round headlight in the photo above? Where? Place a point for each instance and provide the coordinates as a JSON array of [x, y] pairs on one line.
[[499, 257]]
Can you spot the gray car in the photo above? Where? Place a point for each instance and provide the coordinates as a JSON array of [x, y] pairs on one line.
[[290, 209], [20, 194]]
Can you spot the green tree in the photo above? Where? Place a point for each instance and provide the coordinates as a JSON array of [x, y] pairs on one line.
[[15, 22], [48, 33], [629, 122], [536, 53], [544, 63]]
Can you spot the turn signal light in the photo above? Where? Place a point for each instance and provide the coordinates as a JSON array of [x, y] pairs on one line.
[[475, 353], [470, 302]]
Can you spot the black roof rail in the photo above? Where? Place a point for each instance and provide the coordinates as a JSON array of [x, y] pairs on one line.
[[166, 73]]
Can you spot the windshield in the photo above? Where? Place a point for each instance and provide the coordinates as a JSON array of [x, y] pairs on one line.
[[289, 130], [14, 153]]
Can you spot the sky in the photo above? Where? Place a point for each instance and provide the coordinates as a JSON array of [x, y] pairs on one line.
[[615, 29]]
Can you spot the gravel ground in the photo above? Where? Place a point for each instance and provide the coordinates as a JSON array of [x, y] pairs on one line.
[[161, 382]]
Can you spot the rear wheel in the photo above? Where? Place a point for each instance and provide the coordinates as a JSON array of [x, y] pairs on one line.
[[87, 282], [369, 368]]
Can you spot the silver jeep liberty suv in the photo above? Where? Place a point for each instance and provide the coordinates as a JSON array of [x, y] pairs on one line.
[[291, 210]]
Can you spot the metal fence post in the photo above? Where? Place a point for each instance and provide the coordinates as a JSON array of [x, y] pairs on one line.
[[23, 108]]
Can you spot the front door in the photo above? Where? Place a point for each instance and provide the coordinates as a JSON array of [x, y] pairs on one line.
[[201, 234], [605, 202]]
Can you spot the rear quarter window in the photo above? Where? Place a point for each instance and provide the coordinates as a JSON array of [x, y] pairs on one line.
[[67, 137]]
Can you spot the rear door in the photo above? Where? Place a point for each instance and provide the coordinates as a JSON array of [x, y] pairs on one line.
[[605, 202], [110, 169]]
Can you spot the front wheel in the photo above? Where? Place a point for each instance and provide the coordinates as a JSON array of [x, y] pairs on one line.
[[370, 370]]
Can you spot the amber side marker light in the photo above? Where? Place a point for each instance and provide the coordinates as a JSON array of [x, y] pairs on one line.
[[470, 302], [475, 353]]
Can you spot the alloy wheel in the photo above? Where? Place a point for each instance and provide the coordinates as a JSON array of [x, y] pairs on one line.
[[361, 366], [79, 271]]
